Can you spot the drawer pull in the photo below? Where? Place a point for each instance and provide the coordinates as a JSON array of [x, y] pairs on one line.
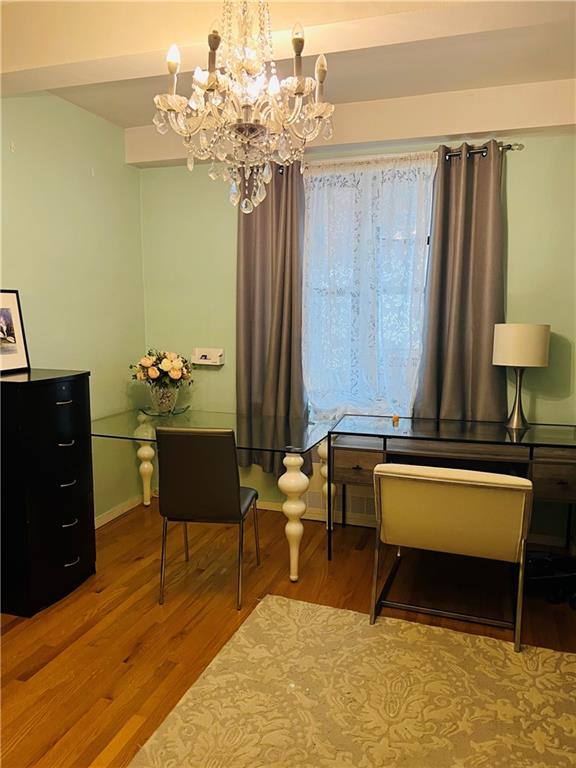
[[69, 525], [68, 485], [64, 402], [563, 482], [74, 562], [357, 468], [66, 445]]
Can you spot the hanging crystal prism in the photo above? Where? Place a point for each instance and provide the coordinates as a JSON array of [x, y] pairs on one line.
[[267, 173], [246, 206], [159, 121], [234, 193], [190, 162], [283, 149], [213, 172]]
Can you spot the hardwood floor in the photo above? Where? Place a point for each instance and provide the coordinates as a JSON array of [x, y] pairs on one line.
[[87, 681]]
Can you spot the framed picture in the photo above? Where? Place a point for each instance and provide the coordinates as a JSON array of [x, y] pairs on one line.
[[13, 350]]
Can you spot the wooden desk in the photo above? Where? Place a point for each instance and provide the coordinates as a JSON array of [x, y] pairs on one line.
[[545, 453]]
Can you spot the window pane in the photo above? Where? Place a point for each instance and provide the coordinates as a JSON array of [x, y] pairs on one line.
[[365, 259]]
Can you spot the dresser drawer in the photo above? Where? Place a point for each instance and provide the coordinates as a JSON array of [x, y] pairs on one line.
[[554, 482], [355, 466], [59, 465], [57, 413]]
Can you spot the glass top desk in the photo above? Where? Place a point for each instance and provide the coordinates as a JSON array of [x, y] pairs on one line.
[[263, 434], [546, 453]]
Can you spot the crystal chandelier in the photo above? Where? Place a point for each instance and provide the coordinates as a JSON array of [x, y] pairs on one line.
[[239, 114]]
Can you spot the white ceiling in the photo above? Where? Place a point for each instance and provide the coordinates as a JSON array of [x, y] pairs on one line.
[[108, 57], [500, 57]]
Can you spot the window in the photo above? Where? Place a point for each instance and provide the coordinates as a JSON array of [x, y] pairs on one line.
[[365, 260]]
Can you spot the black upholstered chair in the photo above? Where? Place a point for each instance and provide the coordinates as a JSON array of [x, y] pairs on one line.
[[199, 483]]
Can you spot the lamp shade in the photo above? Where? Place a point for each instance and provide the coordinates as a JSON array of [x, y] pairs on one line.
[[521, 345]]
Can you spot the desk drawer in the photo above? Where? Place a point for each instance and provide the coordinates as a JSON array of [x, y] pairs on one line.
[[558, 455], [354, 466], [459, 450], [554, 482]]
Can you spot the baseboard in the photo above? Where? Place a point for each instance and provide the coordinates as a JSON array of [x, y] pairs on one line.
[[118, 511]]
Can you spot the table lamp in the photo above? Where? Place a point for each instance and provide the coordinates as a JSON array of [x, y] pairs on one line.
[[520, 346]]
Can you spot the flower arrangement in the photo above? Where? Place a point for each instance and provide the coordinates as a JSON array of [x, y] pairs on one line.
[[162, 369]]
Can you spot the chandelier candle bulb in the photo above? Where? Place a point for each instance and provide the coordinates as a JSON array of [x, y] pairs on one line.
[[298, 47], [321, 70], [213, 43], [173, 62]]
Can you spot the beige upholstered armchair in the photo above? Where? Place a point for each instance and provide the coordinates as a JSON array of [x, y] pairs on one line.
[[478, 514]]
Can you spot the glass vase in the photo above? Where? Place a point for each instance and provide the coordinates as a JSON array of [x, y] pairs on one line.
[[163, 398]]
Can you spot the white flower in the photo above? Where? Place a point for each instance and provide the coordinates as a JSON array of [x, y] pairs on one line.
[[166, 364]]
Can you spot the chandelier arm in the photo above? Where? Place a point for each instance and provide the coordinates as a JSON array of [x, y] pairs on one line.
[[296, 110], [194, 128]]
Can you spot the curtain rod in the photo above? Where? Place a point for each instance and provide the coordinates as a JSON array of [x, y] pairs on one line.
[[482, 150]]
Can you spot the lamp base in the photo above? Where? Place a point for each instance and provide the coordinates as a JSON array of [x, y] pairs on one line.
[[517, 420]]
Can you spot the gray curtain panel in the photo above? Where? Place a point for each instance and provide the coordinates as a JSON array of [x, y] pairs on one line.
[[465, 291], [269, 378]]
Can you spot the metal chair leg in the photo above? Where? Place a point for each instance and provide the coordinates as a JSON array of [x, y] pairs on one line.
[[374, 599], [163, 560], [256, 534], [240, 557], [186, 551], [520, 599]]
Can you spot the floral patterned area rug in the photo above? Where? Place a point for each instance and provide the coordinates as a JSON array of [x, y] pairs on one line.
[[306, 686]]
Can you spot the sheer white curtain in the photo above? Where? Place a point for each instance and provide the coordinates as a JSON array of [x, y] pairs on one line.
[[365, 257]]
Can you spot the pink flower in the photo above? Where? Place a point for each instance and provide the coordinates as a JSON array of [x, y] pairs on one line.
[[141, 375], [171, 355], [175, 373], [146, 361], [153, 372]]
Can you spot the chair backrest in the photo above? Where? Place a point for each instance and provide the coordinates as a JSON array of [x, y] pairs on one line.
[[453, 510], [198, 474]]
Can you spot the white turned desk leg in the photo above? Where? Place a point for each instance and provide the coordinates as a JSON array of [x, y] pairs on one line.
[[323, 454], [293, 484], [146, 454]]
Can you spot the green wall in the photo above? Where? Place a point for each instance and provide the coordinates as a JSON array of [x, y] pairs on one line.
[[189, 265], [541, 191], [71, 245]]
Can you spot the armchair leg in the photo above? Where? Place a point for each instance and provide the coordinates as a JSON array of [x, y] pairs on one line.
[[256, 534], [163, 560], [240, 554], [519, 599], [185, 533]]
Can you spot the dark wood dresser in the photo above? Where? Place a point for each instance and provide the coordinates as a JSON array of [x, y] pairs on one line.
[[48, 541]]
